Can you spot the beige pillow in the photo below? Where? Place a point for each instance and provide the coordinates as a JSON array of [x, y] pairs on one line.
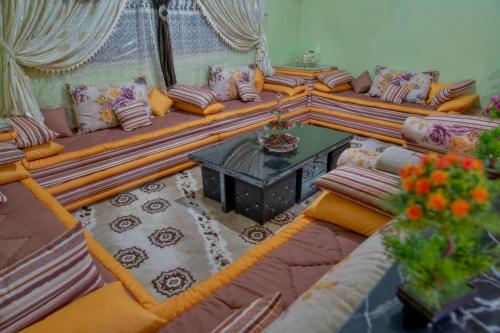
[[393, 159]]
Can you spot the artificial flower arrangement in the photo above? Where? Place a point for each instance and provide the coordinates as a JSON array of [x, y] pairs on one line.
[[488, 146], [440, 235]]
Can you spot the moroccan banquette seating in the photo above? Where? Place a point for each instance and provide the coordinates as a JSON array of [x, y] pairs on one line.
[[313, 257]]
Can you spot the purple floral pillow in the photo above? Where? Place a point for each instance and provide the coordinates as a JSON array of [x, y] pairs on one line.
[[223, 80], [94, 106]]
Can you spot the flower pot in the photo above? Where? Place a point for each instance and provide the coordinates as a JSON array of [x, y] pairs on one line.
[[419, 311]]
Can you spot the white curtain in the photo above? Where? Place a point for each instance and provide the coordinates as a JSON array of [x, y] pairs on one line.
[[241, 24], [49, 35]]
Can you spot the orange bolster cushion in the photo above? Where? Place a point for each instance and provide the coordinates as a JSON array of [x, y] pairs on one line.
[[13, 173], [285, 90], [459, 104], [259, 80], [211, 109], [42, 151], [333, 208], [107, 310], [324, 88]]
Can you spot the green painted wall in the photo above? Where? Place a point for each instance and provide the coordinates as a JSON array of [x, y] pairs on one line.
[[283, 29], [460, 38]]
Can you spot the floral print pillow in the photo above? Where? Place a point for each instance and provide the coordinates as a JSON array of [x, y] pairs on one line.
[[94, 106], [223, 80], [439, 136], [418, 84]]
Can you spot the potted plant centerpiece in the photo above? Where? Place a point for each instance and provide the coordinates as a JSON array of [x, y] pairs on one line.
[[440, 235], [276, 140], [488, 146]]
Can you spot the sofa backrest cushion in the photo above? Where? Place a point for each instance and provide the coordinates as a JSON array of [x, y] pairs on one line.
[[94, 106], [198, 97], [222, 80], [57, 120], [454, 90], [362, 83], [46, 280], [30, 133], [10, 154]]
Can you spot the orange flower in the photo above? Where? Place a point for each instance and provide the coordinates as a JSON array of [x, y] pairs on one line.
[[443, 163], [477, 164], [479, 194], [408, 183], [426, 159], [422, 187], [405, 172], [437, 201], [460, 207], [453, 157], [417, 171], [439, 177], [414, 212], [468, 163]]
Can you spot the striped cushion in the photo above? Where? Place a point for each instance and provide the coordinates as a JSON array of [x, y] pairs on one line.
[[336, 78], [395, 94], [3, 198], [192, 95], [46, 280], [449, 93], [285, 80], [30, 133], [133, 116], [9, 154], [367, 186], [247, 92], [253, 318]]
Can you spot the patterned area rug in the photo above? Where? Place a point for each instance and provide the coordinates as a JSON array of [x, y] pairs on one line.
[[170, 236]]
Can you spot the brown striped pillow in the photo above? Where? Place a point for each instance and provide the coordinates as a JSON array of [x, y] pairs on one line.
[[192, 95], [133, 116], [285, 80], [367, 186], [449, 93], [46, 280], [395, 94], [253, 318], [29, 132], [247, 92], [9, 154], [336, 78], [3, 198]]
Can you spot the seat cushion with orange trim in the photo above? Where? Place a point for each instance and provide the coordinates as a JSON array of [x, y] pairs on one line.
[[10, 154], [47, 149], [107, 310], [12, 173], [367, 186], [348, 214]]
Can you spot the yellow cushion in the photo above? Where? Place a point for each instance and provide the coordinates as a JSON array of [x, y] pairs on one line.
[[435, 88], [333, 208], [283, 89], [107, 310], [45, 150], [211, 109], [324, 88], [159, 102], [12, 173], [459, 104], [259, 80]]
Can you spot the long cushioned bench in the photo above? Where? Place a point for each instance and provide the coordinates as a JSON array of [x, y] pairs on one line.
[[98, 164]]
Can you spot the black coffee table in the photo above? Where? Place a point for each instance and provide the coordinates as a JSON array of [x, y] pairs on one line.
[[244, 176]]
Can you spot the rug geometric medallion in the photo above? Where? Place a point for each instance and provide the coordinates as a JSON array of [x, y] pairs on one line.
[[170, 236]]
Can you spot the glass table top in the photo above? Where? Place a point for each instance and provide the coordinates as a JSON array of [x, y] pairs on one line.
[[246, 156]]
